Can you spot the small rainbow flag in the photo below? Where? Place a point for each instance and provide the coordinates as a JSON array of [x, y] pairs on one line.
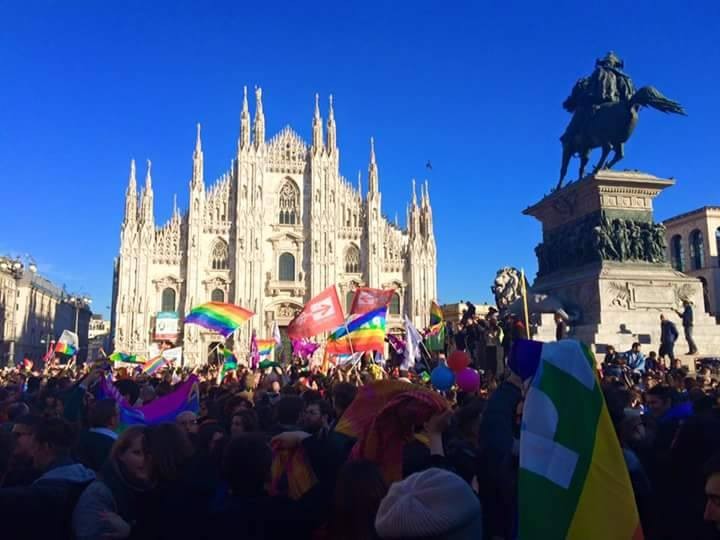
[[218, 317], [154, 364], [265, 347], [436, 314], [65, 348], [229, 363], [361, 333]]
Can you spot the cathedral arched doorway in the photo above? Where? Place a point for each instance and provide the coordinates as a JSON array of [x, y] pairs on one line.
[[215, 356]]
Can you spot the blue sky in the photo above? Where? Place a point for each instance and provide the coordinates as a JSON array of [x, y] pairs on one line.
[[475, 87]]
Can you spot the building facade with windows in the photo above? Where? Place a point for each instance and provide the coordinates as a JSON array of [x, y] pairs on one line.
[[277, 228], [693, 241]]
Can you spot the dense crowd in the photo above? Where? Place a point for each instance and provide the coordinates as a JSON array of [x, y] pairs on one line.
[[220, 473]]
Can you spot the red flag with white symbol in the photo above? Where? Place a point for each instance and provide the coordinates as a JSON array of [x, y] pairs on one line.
[[367, 299], [320, 314]]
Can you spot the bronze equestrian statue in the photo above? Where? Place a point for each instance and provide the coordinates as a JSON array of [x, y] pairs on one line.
[[605, 112]]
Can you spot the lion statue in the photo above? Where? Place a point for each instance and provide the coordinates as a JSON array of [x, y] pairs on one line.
[[507, 287]]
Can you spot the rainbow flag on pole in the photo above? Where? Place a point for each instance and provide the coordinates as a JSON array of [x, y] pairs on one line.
[[361, 333], [573, 481], [219, 317], [68, 344], [153, 365], [265, 348], [436, 314], [127, 358], [229, 363]]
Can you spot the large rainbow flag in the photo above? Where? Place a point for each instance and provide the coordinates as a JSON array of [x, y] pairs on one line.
[[361, 333], [573, 481], [219, 317], [265, 348], [186, 397]]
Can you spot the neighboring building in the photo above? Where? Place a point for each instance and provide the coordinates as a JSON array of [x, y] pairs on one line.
[[98, 337], [693, 241], [277, 228], [33, 313]]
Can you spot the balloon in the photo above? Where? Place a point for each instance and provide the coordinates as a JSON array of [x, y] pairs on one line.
[[468, 380], [458, 361], [442, 378]]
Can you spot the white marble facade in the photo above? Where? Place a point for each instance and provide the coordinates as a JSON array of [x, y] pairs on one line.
[[277, 228]]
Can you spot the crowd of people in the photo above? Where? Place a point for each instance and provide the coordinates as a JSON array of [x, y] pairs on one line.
[[68, 471]]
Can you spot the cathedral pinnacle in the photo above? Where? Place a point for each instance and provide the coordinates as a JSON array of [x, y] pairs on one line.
[[331, 131], [198, 142], [372, 169], [317, 106], [317, 138], [427, 194], [259, 118], [148, 177], [360, 184], [414, 194], [244, 141], [131, 195]]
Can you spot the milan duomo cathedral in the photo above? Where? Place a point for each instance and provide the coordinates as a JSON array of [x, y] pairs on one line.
[[276, 229]]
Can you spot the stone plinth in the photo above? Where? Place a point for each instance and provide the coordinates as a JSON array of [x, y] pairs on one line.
[[603, 259]]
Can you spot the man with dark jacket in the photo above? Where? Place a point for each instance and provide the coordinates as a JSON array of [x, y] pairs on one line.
[[688, 322], [668, 337], [44, 508], [94, 445]]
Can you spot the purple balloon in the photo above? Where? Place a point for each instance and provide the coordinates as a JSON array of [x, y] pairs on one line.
[[468, 380]]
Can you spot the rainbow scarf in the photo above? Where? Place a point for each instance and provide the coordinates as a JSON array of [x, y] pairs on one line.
[[573, 480], [361, 333], [186, 397], [218, 317]]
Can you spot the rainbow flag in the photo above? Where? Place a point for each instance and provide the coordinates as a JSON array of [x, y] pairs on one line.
[[186, 397], [265, 347], [436, 314], [229, 363], [573, 480], [361, 333], [65, 348], [219, 317], [68, 343], [154, 364]]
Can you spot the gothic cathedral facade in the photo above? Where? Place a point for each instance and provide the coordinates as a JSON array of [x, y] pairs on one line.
[[276, 229]]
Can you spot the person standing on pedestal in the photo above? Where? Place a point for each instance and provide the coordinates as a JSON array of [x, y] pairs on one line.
[[561, 327], [687, 321], [668, 337]]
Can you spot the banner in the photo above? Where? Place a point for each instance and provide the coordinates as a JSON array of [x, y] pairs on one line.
[[167, 325], [367, 299], [320, 314]]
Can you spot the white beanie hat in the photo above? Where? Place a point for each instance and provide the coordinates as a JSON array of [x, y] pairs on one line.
[[432, 503]]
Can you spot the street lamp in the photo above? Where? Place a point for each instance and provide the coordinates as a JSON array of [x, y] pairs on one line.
[[79, 302]]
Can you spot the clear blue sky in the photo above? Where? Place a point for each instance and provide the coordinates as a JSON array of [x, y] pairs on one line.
[[475, 87]]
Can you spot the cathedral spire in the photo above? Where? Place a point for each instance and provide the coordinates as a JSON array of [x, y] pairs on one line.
[[131, 196], [372, 169], [317, 137], [331, 128], [427, 195], [244, 122], [414, 194], [146, 205], [360, 183], [259, 134], [198, 159]]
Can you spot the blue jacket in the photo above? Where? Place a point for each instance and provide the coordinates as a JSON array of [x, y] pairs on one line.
[[635, 361], [668, 332], [687, 316]]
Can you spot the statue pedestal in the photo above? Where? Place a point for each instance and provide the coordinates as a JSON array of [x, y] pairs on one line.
[[604, 259]]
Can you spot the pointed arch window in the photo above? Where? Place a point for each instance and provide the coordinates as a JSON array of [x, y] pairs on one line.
[[168, 299], [286, 267], [352, 260], [697, 250], [217, 295], [394, 307], [289, 204], [220, 255], [676, 252]]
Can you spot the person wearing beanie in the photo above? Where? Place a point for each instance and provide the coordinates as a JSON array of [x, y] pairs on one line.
[[433, 504]]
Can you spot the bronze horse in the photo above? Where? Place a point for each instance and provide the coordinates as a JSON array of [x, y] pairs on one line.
[[609, 126]]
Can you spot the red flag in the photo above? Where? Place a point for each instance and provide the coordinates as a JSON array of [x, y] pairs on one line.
[[367, 299], [320, 314]]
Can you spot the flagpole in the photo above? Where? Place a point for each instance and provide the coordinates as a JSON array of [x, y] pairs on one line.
[[525, 303]]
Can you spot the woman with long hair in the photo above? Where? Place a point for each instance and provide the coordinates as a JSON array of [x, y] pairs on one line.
[[110, 506]]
